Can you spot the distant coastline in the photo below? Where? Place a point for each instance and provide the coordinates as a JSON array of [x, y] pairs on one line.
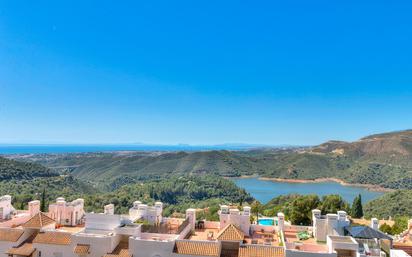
[[369, 187], [66, 149]]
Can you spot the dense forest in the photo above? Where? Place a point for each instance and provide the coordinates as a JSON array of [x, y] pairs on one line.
[[10, 169], [391, 204]]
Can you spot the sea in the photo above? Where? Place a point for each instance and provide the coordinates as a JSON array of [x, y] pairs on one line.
[[49, 149]]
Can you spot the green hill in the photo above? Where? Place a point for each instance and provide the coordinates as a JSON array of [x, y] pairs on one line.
[[115, 169], [11, 169], [382, 159], [26, 181], [397, 203]]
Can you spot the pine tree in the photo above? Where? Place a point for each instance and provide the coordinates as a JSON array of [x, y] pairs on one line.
[[357, 210], [43, 201]]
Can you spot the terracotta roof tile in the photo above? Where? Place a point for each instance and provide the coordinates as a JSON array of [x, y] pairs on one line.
[[38, 221], [81, 249], [24, 250], [197, 248], [10, 234], [261, 251], [120, 251], [53, 237], [230, 233]]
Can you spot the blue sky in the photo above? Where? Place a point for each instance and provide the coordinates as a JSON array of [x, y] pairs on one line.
[[203, 72]]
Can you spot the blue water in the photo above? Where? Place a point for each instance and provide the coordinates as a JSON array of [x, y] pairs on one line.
[[265, 190], [265, 222], [38, 149]]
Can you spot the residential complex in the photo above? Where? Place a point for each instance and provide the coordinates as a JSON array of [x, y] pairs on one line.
[[66, 230]]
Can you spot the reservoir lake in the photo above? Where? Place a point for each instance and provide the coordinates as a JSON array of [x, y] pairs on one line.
[[265, 190]]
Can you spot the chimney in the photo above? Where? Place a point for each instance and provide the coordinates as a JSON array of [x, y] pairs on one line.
[[375, 223], [332, 223], [159, 207], [109, 209], [246, 211], [234, 211], [191, 215], [136, 204], [342, 216], [315, 215], [34, 207], [224, 209], [281, 221]]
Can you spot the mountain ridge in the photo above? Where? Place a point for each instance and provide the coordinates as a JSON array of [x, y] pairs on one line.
[[380, 159]]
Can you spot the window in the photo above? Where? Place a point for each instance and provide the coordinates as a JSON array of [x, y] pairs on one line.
[[39, 253]]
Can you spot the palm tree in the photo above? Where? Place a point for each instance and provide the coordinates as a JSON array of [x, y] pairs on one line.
[[257, 208]]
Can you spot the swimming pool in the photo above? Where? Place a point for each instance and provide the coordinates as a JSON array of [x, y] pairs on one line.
[[266, 222]]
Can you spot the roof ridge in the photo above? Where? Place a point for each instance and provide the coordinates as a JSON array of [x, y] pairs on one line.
[[39, 220], [234, 229]]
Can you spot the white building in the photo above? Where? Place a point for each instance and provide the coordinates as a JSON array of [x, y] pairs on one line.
[[234, 216], [67, 213], [34, 207], [331, 224], [151, 214], [113, 235], [6, 209]]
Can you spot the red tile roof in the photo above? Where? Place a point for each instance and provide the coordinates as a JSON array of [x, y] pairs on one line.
[[24, 250], [197, 248], [10, 234], [38, 221], [53, 237], [261, 251], [81, 249], [230, 233]]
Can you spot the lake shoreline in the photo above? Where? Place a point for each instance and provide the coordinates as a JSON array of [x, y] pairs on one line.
[[369, 187]]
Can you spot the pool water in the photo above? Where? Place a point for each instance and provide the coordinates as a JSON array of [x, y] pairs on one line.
[[266, 222]]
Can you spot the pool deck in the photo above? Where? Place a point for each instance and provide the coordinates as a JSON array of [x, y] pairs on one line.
[[308, 245], [259, 238]]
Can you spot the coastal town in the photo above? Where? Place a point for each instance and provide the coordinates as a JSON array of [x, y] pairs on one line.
[[66, 230]]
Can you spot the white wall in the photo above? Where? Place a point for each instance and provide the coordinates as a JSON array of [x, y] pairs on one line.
[[398, 253], [295, 253], [339, 242], [212, 224], [149, 248], [159, 236], [102, 221], [52, 250], [320, 230], [129, 231], [99, 245], [4, 246], [243, 221], [6, 207]]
